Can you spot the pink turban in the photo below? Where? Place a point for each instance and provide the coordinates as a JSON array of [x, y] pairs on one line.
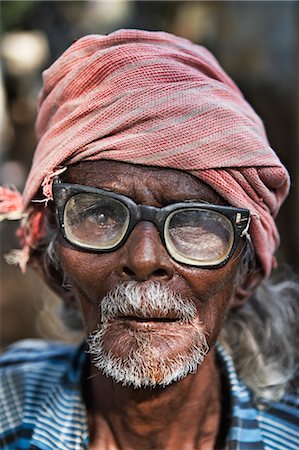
[[155, 99]]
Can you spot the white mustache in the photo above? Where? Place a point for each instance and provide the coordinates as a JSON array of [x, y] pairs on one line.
[[153, 300]]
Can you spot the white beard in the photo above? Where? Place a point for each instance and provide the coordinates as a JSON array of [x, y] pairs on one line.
[[142, 365]]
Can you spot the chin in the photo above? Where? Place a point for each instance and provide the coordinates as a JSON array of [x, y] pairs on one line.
[[150, 355]]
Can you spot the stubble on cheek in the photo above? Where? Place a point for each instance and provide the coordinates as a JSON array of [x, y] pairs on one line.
[[216, 309], [214, 291], [88, 279]]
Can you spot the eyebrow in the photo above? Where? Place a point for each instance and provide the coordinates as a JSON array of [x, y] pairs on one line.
[[213, 197]]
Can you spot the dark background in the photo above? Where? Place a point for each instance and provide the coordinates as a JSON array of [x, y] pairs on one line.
[[256, 43]]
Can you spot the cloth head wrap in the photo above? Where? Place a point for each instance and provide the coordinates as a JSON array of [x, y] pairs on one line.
[[155, 99]]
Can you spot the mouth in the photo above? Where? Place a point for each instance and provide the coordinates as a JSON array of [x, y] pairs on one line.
[[138, 322], [149, 319]]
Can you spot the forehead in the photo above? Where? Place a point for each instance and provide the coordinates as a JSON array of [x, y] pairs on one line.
[[158, 185]]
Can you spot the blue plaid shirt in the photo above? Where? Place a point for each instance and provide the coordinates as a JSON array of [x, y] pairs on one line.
[[42, 407]]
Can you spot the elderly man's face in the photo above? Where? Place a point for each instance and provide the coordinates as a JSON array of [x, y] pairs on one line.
[[150, 317]]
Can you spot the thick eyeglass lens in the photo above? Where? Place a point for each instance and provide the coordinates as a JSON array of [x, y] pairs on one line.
[[95, 221], [200, 237]]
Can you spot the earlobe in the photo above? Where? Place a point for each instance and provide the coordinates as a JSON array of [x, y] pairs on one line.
[[247, 287]]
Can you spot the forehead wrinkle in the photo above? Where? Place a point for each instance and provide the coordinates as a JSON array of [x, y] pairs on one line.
[[144, 184]]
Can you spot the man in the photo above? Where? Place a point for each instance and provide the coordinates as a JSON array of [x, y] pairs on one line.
[[160, 191]]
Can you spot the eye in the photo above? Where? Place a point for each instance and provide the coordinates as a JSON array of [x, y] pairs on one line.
[[102, 216], [199, 236], [95, 221]]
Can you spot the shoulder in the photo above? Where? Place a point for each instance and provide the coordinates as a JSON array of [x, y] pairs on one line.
[[33, 363], [29, 360], [28, 372], [34, 351], [279, 423], [257, 423]]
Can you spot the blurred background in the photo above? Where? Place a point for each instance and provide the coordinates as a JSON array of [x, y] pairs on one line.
[[257, 43]]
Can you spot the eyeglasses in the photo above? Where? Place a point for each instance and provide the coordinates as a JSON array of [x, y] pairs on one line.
[[197, 234]]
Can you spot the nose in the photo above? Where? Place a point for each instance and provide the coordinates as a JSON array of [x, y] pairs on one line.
[[144, 256]]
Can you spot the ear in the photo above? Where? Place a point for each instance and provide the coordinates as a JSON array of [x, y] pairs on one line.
[[41, 263], [248, 287], [52, 276]]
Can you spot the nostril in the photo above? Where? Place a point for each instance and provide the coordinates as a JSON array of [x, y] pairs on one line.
[[128, 272], [160, 273]]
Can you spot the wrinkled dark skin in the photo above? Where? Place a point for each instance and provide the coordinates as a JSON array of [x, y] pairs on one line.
[[187, 414]]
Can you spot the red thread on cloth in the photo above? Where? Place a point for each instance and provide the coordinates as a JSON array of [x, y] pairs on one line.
[[48, 183], [30, 233], [11, 204], [31, 230]]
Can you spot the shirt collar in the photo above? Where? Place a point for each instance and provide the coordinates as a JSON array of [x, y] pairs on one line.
[[62, 420], [244, 432]]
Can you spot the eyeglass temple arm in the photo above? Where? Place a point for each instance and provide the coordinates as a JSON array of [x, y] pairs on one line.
[[245, 232]]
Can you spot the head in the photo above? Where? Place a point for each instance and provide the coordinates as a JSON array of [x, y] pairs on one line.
[[152, 309], [154, 118]]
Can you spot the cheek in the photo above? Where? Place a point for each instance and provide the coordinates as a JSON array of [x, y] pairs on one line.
[[213, 291], [91, 275]]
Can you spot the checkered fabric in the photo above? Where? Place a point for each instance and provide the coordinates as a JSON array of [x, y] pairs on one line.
[[42, 407]]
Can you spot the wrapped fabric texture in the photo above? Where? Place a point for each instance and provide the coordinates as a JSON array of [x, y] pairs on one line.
[[155, 99]]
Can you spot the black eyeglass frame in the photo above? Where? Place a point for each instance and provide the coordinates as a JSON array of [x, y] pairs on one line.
[[63, 192]]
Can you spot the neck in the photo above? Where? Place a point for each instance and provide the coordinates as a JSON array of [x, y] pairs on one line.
[[186, 412]]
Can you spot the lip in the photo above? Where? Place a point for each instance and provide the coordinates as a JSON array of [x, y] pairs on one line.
[[149, 322]]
